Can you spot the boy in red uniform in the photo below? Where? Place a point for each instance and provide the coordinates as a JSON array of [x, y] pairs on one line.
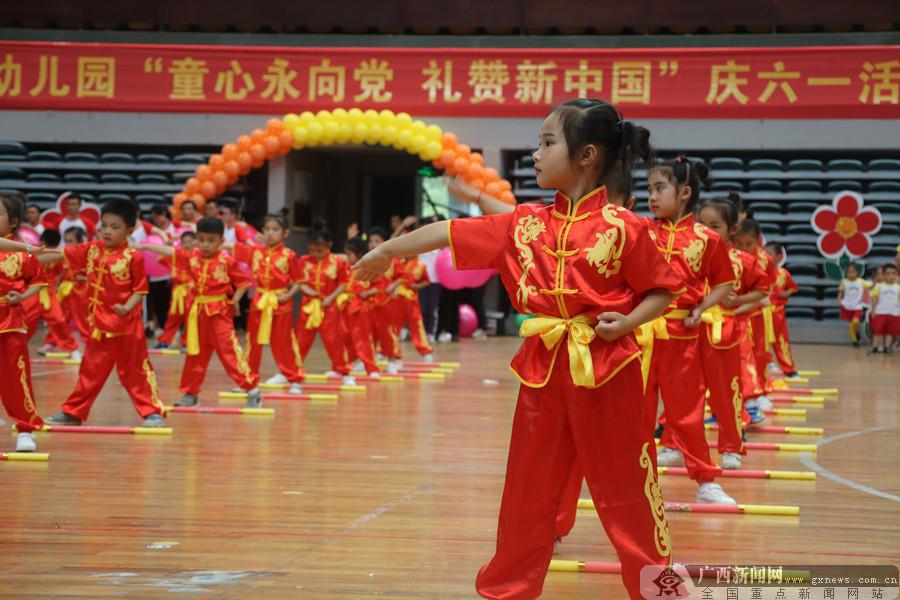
[[182, 295], [357, 310], [411, 277], [73, 288], [385, 331], [210, 325], [784, 288], [117, 285], [46, 306]]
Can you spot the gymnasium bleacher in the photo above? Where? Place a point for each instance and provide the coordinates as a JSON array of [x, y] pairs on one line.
[[783, 191]]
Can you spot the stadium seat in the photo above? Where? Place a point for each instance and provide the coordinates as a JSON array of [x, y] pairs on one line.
[[832, 312], [116, 157], [804, 185], [805, 164], [726, 163], [525, 161], [884, 164], [43, 177], [765, 185], [798, 228], [11, 173], [884, 186], [188, 158], [107, 197], [153, 158], [840, 185], [762, 206], [116, 178], [806, 291], [181, 177], [85, 157], [770, 228], [11, 147], [726, 186], [45, 199], [845, 164], [764, 164], [79, 178], [44, 156], [152, 178], [800, 312]]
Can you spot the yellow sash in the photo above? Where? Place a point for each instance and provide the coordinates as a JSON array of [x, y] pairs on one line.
[[193, 331], [405, 292], [714, 316], [342, 299], [581, 334], [315, 313], [65, 288], [179, 295], [655, 330], [267, 303], [769, 322], [44, 298]]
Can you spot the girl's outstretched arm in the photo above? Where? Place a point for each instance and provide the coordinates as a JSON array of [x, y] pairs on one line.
[[376, 262]]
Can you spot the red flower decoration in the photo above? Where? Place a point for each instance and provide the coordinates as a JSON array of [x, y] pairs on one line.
[[845, 226], [89, 213]]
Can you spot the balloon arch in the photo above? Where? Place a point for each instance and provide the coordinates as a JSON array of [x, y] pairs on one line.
[[338, 127]]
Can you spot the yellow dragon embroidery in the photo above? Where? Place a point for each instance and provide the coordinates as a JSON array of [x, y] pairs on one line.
[[527, 231], [694, 252], [605, 255], [654, 497], [737, 266]]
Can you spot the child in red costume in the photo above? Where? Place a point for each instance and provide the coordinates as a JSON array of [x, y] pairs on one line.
[[182, 295], [784, 288]]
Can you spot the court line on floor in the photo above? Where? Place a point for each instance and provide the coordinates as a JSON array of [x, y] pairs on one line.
[[808, 461]]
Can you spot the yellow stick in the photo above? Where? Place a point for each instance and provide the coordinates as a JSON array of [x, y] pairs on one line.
[[25, 456]]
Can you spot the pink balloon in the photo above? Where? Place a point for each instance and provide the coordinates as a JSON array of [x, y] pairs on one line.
[[468, 320], [151, 261], [29, 236], [453, 279]]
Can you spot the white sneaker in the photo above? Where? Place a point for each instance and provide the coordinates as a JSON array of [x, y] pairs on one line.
[[712, 493], [348, 380], [331, 373], [45, 348], [444, 337], [393, 367], [75, 355], [431, 339], [479, 334], [295, 388], [764, 403], [731, 461], [379, 357], [428, 358], [404, 334], [25, 443], [375, 375], [277, 379], [357, 366], [669, 457]]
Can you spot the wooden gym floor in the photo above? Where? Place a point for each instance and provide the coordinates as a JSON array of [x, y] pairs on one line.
[[395, 493]]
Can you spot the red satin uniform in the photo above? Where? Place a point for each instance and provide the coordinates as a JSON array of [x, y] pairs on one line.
[[271, 323], [700, 258], [721, 347], [46, 306], [406, 302], [212, 320], [324, 276], [18, 272], [758, 324], [357, 318], [782, 345], [72, 294], [386, 332], [113, 276], [581, 396], [180, 304]]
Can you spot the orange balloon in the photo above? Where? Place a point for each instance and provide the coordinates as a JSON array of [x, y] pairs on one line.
[[463, 150], [220, 178], [446, 159], [272, 145], [475, 171], [507, 196], [208, 189], [244, 162], [178, 198], [258, 152], [258, 136], [192, 185], [449, 140], [229, 151], [506, 185], [198, 200], [274, 126], [243, 143], [203, 172], [478, 158], [286, 139], [476, 182], [216, 161], [491, 174], [493, 189], [231, 168], [461, 166]]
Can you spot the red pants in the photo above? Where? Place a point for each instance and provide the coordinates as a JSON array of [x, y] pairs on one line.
[[216, 332], [285, 347], [758, 328], [333, 338], [568, 502], [604, 430], [409, 311], [75, 309], [750, 387], [782, 346], [128, 353], [359, 331], [675, 373], [15, 385], [59, 333], [722, 372], [174, 322], [385, 331]]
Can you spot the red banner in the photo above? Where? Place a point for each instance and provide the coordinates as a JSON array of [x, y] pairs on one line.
[[731, 83]]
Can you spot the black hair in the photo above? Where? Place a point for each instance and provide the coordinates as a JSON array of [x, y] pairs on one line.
[[750, 227], [740, 204], [79, 233], [726, 208], [161, 209], [319, 232], [889, 265], [357, 245], [191, 202], [231, 205], [51, 238], [15, 208], [34, 206], [380, 232], [74, 195], [122, 208], [187, 234], [211, 225], [620, 185], [280, 217], [776, 247], [591, 121], [854, 265], [682, 172]]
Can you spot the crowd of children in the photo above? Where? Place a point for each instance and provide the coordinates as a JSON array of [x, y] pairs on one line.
[[874, 301]]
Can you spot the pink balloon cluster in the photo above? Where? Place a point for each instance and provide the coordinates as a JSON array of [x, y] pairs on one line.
[[451, 278]]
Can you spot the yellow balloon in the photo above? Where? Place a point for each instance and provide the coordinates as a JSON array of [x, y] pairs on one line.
[[291, 121], [433, 132], [376, 134], [329, 135], [404, 120], [345, 132], [418, 127], [390, 135], [371, 116], [314, 133], [417, 144], [387, 114], [355, 115], [339, 114], [433, 150], [307, 117], [360, 132], [300, 136], [404, 138], [323, 115]]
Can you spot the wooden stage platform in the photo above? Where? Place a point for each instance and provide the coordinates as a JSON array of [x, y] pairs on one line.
[[394, 494]]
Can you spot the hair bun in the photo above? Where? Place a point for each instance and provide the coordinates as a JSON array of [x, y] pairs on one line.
[[702, 170], [319, 223]]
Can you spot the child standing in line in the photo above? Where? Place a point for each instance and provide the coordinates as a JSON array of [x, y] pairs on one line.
[[385, 331], [182, 295], [784, 288], [358, 309], [73, 289], [851, 298], [46, 306], [886, 310]]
